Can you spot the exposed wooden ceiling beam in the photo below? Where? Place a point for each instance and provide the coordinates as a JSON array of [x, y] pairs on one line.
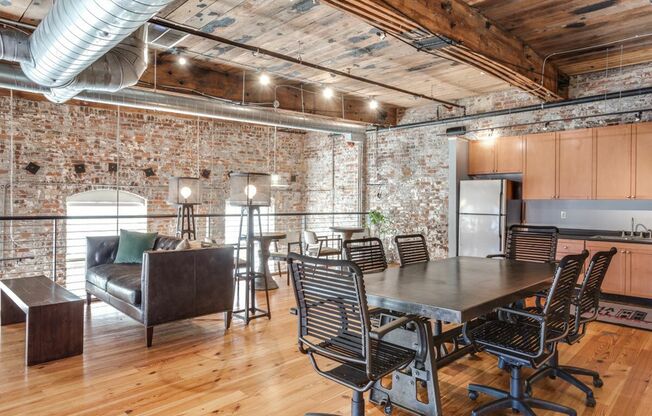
[[476, 41], [226, 82]]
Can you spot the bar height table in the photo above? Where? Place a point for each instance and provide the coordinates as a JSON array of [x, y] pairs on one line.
[[265, 239], [346, 231]]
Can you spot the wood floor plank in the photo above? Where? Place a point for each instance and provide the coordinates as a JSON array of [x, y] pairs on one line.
[[195, 367]]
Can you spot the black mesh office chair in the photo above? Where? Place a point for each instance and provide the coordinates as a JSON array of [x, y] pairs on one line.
[[334, 324], [527, 339], [367, 253], [412, 249], [530, 243], [584, 309]]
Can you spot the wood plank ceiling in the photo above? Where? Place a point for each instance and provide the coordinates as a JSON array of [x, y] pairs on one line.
[[322, 34]]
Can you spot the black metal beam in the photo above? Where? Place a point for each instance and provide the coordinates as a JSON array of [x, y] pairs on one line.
[[535, 107], [194, 32]]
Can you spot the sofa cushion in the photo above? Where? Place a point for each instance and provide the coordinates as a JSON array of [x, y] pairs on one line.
[[126, 288], [100, 275], [132, 245]]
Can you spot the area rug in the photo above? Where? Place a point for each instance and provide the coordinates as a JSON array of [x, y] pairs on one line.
[[624, 314]]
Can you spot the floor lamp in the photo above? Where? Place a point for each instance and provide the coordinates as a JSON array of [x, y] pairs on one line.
[[250, 191], [185, 193]]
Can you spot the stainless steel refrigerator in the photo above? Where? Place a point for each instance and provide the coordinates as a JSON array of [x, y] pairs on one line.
[[487, 209]]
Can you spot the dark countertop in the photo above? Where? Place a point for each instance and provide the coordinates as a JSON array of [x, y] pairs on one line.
[[590, 235]]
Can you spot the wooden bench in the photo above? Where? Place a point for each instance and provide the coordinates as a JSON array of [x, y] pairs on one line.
[[55, 317]]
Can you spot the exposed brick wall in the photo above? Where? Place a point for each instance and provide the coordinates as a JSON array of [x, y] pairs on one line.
[[57, 136]]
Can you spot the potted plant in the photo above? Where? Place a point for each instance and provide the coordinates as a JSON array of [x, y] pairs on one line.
[[377, 222]]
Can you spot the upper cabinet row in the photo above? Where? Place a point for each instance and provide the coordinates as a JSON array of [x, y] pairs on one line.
[[613, 162]]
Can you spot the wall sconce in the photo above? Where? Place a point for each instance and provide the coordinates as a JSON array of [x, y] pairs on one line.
[[32, 168], [113, 167], [149, 172], [205, 173], [185, 193], [80, 168]]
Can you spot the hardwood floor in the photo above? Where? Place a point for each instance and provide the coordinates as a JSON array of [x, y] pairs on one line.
[[195, 368]]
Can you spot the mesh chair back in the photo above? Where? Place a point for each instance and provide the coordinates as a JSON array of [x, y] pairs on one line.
[[411, 249], [367, 253], [332, 307], [557, 307], [532, 243], [588, 298]]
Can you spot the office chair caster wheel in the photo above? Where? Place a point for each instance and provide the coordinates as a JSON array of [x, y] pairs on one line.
[[473, 395], [590, 401], [597, 382], [388, 409]]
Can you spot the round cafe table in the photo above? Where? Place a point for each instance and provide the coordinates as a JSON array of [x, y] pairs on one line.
[[265, 239], [346, 231]]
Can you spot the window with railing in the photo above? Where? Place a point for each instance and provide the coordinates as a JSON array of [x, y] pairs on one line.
[[97, 203]]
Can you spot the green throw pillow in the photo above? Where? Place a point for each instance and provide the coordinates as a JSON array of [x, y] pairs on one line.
[[132, 245]]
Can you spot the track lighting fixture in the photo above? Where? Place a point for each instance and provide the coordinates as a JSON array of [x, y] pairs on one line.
[[382, 35], [546, 126], [373, 104], [264, 79], [328, 92], [638, 116]]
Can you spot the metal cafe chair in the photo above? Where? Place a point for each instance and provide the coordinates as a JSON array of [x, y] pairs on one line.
[[530, 243], [584, 309], [334, 326], [292, 244], [411, 249], [317, 246], [527, 339], [367, 253]]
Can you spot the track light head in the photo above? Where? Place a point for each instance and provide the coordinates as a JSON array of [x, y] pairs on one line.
[[264, 79], [328, 92]]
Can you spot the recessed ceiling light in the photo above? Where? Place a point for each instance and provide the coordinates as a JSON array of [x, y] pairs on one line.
[[373, 104], [182, 60], [328, 92], [264, 79]]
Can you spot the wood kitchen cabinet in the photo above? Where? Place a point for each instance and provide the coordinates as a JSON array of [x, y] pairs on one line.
[[575, 164], [642, 139], [503, 155], [509, 155], [640, 270], [613, 162], [540, 172], [482, 157]]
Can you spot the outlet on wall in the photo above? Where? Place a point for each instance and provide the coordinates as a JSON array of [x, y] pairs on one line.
[[563, 215]]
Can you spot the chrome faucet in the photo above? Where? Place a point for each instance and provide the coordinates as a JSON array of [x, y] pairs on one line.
[[645, 230]]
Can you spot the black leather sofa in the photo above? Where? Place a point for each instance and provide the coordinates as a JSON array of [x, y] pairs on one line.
[[170, 285]]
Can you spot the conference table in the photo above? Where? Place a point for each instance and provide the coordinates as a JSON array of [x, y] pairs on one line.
[[456, 290]]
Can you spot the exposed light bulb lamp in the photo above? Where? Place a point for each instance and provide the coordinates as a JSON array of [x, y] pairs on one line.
[[185, 193]]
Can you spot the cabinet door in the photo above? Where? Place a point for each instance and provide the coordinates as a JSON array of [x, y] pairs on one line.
[[575, 164], [616, 278], [643, 161], [614, 162], [539, 178], [640, 271], [509, 155], [482, 157]]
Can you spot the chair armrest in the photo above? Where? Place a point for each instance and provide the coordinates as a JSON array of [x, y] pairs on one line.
[[380, 332], [518, 312], [493, 256], [295, 243]]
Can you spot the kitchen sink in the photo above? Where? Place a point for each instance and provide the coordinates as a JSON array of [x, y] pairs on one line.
[[622, 238]]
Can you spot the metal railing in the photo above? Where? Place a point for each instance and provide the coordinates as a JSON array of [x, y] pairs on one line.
[[55, 246]]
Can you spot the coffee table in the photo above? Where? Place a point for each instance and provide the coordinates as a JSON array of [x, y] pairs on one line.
[[55, 317]]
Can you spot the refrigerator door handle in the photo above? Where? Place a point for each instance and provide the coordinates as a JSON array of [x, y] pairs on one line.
[[500, 233]]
